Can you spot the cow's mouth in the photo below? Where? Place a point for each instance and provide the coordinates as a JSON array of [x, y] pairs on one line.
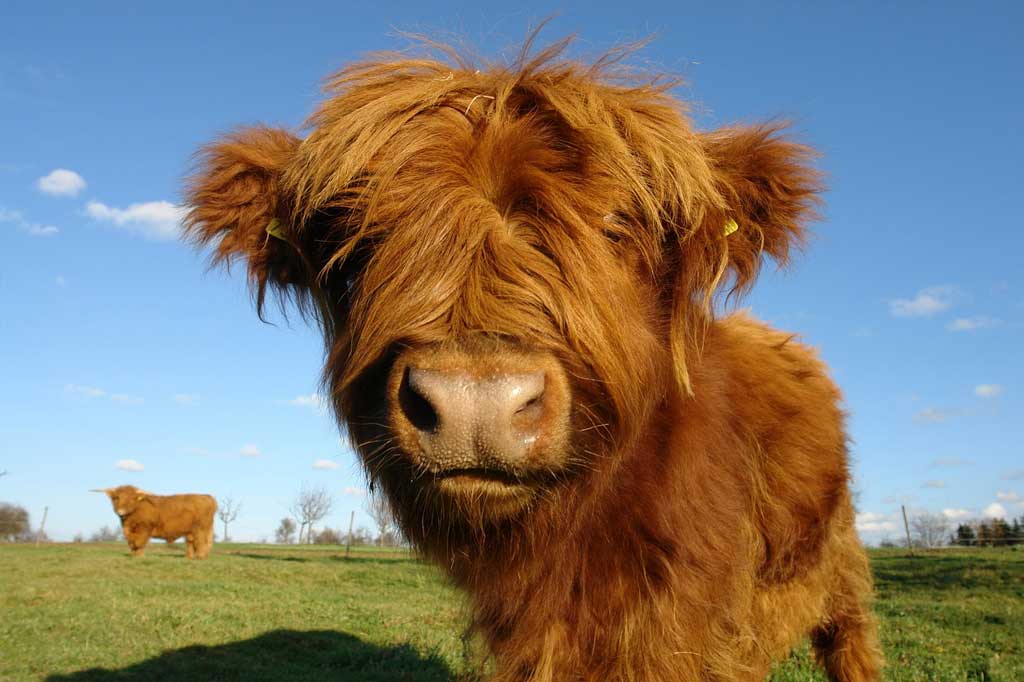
[[478, 474], [492, 486]]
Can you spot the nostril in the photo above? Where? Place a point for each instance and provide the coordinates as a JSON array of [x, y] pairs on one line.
[[532, 402], [532, 391], [531, 409], [416, 407]]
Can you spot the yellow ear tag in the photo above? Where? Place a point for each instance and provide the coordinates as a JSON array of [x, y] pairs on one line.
[[274, 229], [140, 498], [731, 226]]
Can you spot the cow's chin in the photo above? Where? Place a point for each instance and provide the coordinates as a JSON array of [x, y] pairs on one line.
[[484, 495]]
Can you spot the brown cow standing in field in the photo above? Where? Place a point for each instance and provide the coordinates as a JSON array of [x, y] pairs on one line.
[[168, 517], [515, 270]]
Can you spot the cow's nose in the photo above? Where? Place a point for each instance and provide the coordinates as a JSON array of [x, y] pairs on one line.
[[463, 420]]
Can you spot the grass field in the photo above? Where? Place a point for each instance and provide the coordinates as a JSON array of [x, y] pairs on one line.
[[88, 613]]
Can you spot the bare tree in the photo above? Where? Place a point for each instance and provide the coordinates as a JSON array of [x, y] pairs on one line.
[[227, 511], [285, 533], [311, 506], [383, 517], [328, 536], [106, 534], [930, 530]]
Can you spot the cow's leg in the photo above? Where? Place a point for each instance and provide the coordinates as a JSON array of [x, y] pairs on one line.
[[847, 648], [846, 640], [190, 546], [205, 542], [138, 544], [201, 542]]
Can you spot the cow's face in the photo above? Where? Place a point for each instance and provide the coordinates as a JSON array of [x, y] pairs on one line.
[[510, 267], [125, 499]]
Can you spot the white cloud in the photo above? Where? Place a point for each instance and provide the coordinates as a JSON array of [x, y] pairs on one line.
[[61, 183], [1008, 496], [873, 522], [995, 511], [934, 415], [129, 465], [41, 230], [90, 391], [353, 491], [1013, 475], [956, 514], [33, 229], [198, 451], [249, 450], [9, 216], [879, 527], [186, 398], [325, 464], [970, 324], [93, 392], [314, 401], [159, 220], [934, 484], [883, 527], [988, 390], [928, 302]]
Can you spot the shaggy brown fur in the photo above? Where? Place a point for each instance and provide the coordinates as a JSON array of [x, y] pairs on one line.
[[168, 517], [685, 513]]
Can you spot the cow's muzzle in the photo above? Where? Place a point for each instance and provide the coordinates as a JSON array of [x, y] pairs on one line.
[[497, 414]]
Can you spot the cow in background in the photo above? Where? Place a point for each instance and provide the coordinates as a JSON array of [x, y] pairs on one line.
[[168, 517]]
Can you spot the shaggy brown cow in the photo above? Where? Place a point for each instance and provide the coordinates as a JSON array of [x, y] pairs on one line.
[[514, 268], [168, 517]]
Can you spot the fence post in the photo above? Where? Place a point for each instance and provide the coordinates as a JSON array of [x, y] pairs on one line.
[[348, 540], [906, 527], [39, 533]]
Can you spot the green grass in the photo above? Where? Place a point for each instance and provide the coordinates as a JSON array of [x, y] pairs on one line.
[[256, 612]]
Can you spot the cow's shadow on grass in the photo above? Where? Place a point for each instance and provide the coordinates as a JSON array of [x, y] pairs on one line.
[[278, 656]]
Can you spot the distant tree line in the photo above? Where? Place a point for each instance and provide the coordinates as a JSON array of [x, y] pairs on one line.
[[104, 534], [361, 536], [933, 530], [989, 533], [312, 505]]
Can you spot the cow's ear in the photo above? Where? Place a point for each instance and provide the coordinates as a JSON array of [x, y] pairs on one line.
[[237, 204], [762, 191], [766, 189]]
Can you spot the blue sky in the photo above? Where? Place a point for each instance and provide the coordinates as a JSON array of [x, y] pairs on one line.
[[118, 346]]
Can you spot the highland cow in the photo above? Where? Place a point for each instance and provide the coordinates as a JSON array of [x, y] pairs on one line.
[[168, 517], [515, 269]]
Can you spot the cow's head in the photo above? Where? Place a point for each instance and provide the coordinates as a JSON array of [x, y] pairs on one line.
[[124, 498], [512, 266]]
